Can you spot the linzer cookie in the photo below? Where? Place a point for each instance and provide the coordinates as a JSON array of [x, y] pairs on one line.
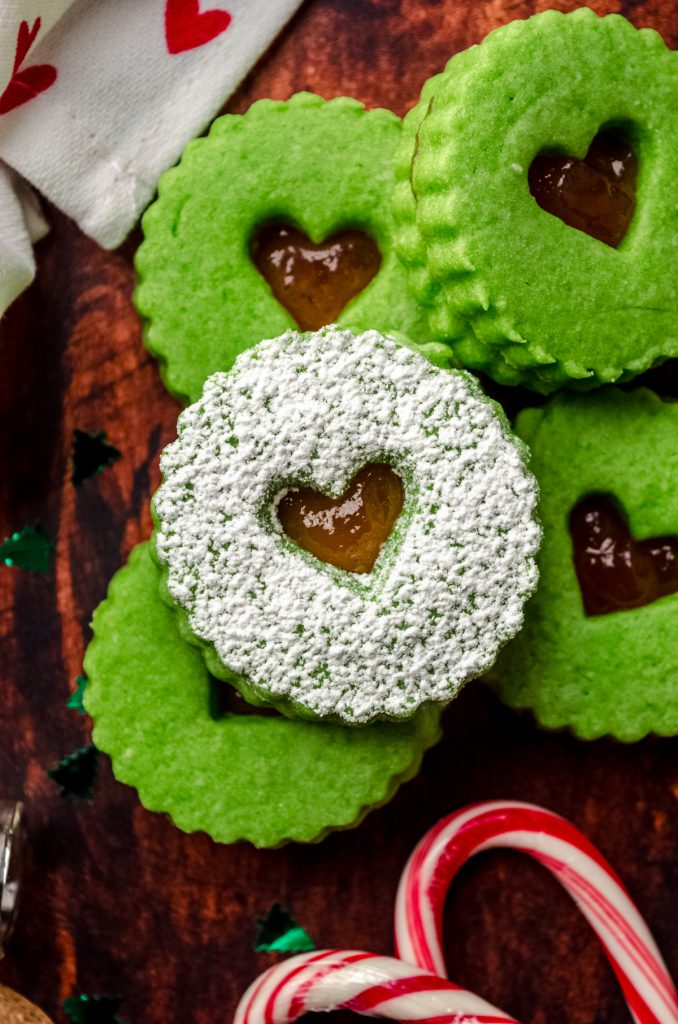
[[598, 652], [347, 530], [205, 758], [535, 201], [280, 218]]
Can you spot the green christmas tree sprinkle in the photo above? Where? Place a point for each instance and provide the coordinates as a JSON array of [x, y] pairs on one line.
[[279, 933], [76, 774], [28, 548], [91, 454], [92, 1010], [75, 701]]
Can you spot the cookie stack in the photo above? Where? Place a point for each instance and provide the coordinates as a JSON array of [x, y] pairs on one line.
[[346, 529]]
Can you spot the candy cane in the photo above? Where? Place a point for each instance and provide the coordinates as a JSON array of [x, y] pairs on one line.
[[386, 987], [377, 986], [575, 862]]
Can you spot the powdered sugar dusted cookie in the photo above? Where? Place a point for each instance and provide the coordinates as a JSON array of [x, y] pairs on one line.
[[447, 586], [222, 768]]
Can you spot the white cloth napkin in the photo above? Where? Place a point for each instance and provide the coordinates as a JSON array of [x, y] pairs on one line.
[[99, 97]]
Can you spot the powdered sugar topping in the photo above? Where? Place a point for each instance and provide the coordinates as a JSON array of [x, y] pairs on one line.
[[449, 585]]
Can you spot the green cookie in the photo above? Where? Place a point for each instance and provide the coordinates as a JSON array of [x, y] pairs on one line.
[[264, 779], [515, 291], [321, 166], [615, 673]]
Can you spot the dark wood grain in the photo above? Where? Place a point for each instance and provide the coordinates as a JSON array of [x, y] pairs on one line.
[[117, 900]]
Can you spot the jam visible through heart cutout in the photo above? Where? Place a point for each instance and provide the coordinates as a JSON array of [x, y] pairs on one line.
[[348, 531], [614, 570], [596, 195], [314, 281]]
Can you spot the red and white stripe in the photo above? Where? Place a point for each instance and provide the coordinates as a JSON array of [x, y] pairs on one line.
[[575, 862], [377, 986]]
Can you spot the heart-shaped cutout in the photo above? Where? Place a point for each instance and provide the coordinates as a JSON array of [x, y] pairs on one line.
[[596, 195], [614, 570], [314, 281], [349, 531]]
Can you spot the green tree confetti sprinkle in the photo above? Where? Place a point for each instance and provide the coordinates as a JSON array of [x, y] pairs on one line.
[[27, 549], [92, 1010], [91, 454], [279, 933], [76, 774], [75, 701]]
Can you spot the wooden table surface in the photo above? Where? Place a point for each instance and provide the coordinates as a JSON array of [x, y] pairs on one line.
[[117, 900]]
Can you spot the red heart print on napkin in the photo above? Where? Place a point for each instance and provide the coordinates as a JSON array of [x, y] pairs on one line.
[[186, 27], [29, 82]]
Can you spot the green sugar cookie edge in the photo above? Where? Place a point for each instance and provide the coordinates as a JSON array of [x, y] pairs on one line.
[[148, 696], [608, 675], [474, 306], [201, 296]]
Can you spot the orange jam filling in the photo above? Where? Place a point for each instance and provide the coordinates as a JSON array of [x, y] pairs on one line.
[[347, 531], [614, 570], [314, 281], [596, 195]]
